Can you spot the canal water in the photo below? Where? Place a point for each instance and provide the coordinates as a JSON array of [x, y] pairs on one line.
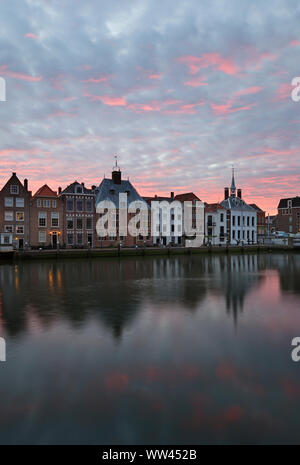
[[179, 350]]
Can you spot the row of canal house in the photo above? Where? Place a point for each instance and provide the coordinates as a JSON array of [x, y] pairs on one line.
[[68, 217]]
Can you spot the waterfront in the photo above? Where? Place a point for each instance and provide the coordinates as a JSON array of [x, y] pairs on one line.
[[162, 350]]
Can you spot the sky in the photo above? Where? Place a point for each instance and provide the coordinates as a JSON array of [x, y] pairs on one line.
[[180, 90]]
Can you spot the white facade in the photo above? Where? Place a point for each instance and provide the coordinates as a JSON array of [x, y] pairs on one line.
[[243, 227], [215, 225]]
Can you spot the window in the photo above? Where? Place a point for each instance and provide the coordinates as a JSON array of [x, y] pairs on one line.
[[14, 189], [252, 220], [79, 223], [90, 239], [70, 223], [8, 228], [70, 205], [9, 202], [79, 238], [248, 220], [239, 220], [79, 190], [89, 223], [38, 203], [42, 236], [46, 203], [20, 229], [53, 203], [79, 205], [54, 220], [88, 205], [8, 215], [19, 216], [233, 234], [289, 203], [20, 202], [222, 217], [70, 239], [233, 221], [42, 219]]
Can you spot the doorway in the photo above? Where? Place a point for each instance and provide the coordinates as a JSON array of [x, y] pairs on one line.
[[54, 239]]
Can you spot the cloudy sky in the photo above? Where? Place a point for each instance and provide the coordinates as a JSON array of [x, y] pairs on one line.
[[181, 90]]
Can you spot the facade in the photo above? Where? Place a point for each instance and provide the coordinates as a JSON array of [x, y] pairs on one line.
[[166, 220], [15, 211], [288, 218], [119, 216], [261, 222], [78, 215], [215, 224], [46, 217], [197, 208], [241, 217]]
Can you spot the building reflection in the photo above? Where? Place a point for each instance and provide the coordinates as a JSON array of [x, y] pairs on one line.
[[114, 291]]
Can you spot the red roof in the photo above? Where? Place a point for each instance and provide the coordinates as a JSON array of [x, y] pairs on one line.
[[187, 196], [213, 207], [45, 191]]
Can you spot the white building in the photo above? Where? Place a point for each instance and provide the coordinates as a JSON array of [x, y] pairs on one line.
[[241, 217], [215, 224]]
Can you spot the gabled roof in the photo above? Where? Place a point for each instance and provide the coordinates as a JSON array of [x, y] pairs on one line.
[[253, 205], [213, 207], [295, 202], [45, 191], [235, 203], [108, 190], [71, 189], [187, 196]]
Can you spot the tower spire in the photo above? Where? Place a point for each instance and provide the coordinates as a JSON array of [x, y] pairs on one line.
[[233, 188]]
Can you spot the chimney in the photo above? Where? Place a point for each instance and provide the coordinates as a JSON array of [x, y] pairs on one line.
[[14, 174], [239, 193], [82, 184], [116, 177], [26, 184], [226, 193], [59, 190], [172, 195], [93, 188]]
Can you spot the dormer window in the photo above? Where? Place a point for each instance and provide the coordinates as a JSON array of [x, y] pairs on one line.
[[112, 191], [78, 190], [14, 189], [289, 203]]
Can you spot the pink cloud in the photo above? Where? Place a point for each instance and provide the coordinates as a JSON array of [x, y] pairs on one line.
[[155, 76], [215, 60], [227, 109], [195, 82], [24, 77], [31, 36], [283, 92], [100, 78], [294, 43], [249, 91], [111, 101]]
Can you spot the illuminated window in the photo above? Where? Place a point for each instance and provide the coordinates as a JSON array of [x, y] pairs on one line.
[[19, 216]]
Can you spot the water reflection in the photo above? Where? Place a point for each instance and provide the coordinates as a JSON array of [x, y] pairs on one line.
[[150, 350], [114, 290]]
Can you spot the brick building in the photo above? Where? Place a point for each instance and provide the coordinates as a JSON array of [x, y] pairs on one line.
[[15, 211], [109, 192], [78, 215], [261, 222], [288, 218], [45, 218]]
